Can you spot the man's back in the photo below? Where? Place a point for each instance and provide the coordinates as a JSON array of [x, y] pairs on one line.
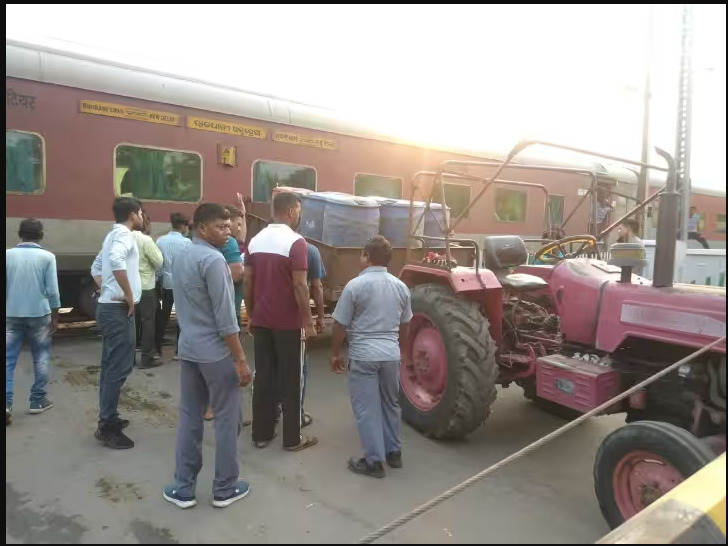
[[31, 283], [274, 254], [203, 296], [171, 245], [150, 259], [316, 270], [373, 305]]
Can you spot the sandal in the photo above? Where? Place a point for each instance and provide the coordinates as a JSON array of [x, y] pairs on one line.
[[306, 420], [306, 441]]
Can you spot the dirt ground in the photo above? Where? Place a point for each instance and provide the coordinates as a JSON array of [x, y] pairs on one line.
[[63, 487]]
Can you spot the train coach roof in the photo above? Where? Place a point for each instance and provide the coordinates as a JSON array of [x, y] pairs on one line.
[[79, 66]]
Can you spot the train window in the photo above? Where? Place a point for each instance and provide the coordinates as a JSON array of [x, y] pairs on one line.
[[24, 162], [457, 197], [510, 205], [271, 174], [720, 223], [556, 209], [372, 185], [154, 174]]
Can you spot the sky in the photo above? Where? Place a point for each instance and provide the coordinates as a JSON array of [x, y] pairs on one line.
[[481, 76]]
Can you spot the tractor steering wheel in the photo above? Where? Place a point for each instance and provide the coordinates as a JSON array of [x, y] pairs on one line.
[[554, 252]]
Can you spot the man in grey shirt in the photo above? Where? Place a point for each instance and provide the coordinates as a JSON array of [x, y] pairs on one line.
[[374, 312], [212, 363]]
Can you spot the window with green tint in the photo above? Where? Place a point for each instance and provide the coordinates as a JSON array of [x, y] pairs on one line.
[[24, 157], [510, 205], [457, 197], [270, 174], [556, 209], [720, 223], [372, 185], [158, 175]]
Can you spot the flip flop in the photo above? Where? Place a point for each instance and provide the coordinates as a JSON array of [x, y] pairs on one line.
[[306, 441], [306, 420]]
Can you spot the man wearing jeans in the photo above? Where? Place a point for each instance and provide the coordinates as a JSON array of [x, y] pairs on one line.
[[374, 312], [31, 312], [117, 269]]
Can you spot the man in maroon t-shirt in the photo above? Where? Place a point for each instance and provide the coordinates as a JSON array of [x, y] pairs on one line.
[[277, 301]]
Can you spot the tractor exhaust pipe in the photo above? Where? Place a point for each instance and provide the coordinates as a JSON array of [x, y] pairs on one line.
[[667, 227]]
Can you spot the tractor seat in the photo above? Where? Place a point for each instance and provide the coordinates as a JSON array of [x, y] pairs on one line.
[[501, 253], [521, 282]]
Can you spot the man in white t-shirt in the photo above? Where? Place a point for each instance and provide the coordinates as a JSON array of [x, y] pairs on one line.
[[116, 271]]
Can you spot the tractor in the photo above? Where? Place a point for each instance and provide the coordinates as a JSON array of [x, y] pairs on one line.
[[572, 334]]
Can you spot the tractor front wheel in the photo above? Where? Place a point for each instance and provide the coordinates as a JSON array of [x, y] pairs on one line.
[[638, 463]]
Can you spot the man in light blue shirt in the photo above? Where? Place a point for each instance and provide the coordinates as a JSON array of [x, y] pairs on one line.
[[31, 312], [374, 312], [172, 245], [116, 270], [694, 228]]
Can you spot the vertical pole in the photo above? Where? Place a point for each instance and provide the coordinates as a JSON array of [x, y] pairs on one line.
[[684, 119], [643, 178]]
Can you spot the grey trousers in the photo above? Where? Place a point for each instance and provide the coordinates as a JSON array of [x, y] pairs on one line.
[[374, 391], [200, 383]]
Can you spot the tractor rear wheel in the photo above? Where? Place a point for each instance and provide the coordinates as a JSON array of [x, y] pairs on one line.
[[638, 463], [448, 382]]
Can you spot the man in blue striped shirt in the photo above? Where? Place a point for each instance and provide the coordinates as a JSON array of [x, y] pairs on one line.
[[32, 301]]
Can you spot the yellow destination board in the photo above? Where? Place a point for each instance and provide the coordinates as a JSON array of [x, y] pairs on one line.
[[204, 124], [305, 140], [128, 112]]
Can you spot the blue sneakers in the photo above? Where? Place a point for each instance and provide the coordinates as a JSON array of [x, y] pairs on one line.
[[241, 491], [170, 494], [40, 407]]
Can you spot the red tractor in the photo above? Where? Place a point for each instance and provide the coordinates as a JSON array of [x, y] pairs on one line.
[[573, 335]]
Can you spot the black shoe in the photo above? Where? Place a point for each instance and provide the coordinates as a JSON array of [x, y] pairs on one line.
[[122, 423], [147, 363], [113, 438], [361, 466], [40, 407], [394, 459]]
